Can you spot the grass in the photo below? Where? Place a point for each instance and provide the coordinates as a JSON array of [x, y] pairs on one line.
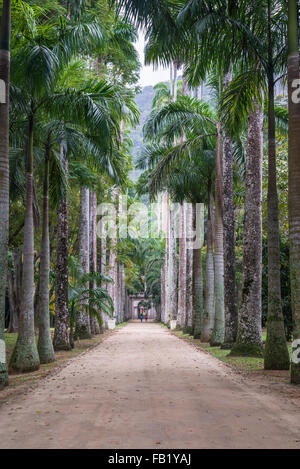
[[246, 364], [122, 324]]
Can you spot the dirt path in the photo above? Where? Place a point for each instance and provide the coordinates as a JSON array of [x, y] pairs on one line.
[[145, 388]]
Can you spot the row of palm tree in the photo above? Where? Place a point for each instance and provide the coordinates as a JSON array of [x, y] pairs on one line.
[[245, 47], [69, 92], [72, 75]]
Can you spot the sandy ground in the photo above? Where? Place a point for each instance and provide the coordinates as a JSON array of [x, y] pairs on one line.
[[145, 388]]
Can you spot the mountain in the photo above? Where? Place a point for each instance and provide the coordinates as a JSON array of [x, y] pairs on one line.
[[144, 102]]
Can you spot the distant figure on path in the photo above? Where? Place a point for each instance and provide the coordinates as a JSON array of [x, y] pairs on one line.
[[146, 317], [141, 317]]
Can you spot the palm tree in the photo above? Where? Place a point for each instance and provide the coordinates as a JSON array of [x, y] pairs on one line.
[[276, 354], [182, 273], [95, 329], [61, 330], [35, 68], [188, 325], [198, 306], [249, 336], [96, 299], [294, 176], [255, 34], [45, 346], [231, 317], [4, 172], [83, 329], [209, 311]]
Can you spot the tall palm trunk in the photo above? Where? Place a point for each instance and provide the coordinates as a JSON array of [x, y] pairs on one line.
[[189, 273], [105, 316], [249, 336], [294, 182], [61, 331], [276, 351], [14, 288], [95, 329], [4, 173], [165, 222], [112, 272], [181, 315], [197, 280], [112, 268], [217, 337], [276, 356], [45, 347], [25, 356], [83, 330], [209, 312], [230, 306], [172, 269]]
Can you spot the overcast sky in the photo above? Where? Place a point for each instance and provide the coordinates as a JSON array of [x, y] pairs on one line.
[[148, 75]]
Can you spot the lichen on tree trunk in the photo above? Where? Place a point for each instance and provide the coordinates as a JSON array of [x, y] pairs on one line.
[[4, 175], [230, 306], [217, 337], [189, 272], [83, 329], [25, 356], [276, 355], [209, 310], [181, 316], [61, 333], [294, 181], [197, 276], [172, 268], [249, 336], [45, 346], [94, 324]]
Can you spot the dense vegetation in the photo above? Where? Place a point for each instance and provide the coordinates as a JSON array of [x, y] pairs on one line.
[[228, 157]]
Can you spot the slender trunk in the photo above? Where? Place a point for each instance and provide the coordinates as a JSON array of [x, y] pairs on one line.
[[15, 287], [72, 323], [61, 333], [217, 337], [163, 290], [13, 317], [276, 356], [105, 316], [294, 183], [45, 347], [83, 330], [189, 273], [113, 261], [197, 283], [36, 303], [230, 306], [249, 336], [116, 292], [25, 356], [209, 313], [4, 173], [95, 328], [181, 315], [172, 269], [166, 228], [122, 294]]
